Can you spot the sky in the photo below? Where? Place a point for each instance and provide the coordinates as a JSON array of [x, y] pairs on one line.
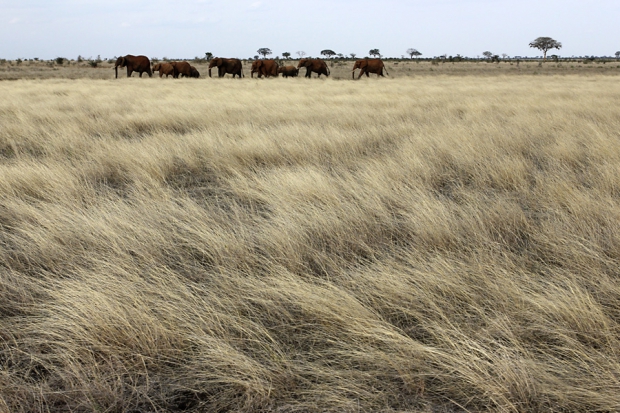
[[188, 28]]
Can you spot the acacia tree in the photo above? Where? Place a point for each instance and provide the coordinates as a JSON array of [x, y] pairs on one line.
[[208, 55], [352, 55], [264, 51], [617, 55], [487, 54], [544, 44], [413, 52], [328, 52], [374, 52], [286, 55], [301, 54]]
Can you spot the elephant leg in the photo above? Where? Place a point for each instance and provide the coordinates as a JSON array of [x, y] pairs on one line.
[[129, 71], [140, 74]]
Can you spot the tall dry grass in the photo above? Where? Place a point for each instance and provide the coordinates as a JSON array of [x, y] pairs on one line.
[[418, 244]]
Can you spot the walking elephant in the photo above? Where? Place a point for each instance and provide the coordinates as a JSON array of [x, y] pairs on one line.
[[181, 68], [369, 66], [164, 69], [194, 72], [232, 66], [314, 65], [265, 68], [138, 64], [288, 71]]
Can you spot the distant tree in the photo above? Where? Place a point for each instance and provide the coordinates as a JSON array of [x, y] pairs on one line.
[[504, 56], [256, 57], [413, 52], [264, 51], [617, 55], [544, 44], [487, 54], [374, 52], [328, 53], [340, 56], [352, 55], [208, 55], [60, 60], [286, 55]]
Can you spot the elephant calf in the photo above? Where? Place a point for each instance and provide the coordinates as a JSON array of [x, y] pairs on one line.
[[164, 69], [194, 72], [288, 71]]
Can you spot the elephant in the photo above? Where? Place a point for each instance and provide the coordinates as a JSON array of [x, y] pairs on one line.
[[369, 66], [194, 72], [138, 64], [163, 69], [265, 68], [232, 66], [181, 68], [288, 71], [314, 65]]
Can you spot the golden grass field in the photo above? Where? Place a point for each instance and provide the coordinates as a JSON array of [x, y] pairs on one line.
[[420, 243]]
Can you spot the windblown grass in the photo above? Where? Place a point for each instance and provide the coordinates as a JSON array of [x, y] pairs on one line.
[[417, 244]]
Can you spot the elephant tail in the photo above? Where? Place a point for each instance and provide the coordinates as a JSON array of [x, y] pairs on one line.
[[384, 68]]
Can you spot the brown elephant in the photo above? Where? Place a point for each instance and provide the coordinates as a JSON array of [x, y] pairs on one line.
[[288, 71], [265, 68], [194, 72], [138, 64], [181, 68], [314, 65], [164, 69], [369, 66], [232, 66]]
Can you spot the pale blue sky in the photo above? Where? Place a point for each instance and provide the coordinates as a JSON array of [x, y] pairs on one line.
[[186, 28]]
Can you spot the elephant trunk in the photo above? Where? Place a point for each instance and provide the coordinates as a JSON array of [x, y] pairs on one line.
[[209, 72], [353, 74], [116, 71]]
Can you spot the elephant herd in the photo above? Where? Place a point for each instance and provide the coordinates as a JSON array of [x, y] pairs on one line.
[[267, 67]]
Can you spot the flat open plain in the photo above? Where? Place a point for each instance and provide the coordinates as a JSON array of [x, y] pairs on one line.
[[429, 242]]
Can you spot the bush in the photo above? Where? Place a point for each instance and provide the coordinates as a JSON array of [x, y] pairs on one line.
[[60, 60]]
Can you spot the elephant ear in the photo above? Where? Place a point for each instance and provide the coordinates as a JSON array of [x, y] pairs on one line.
[[364, 64]]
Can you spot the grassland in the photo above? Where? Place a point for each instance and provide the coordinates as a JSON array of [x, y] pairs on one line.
[[420, 243], [340, 69]]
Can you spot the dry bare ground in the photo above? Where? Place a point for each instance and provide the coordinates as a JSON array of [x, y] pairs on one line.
[[432, 244]]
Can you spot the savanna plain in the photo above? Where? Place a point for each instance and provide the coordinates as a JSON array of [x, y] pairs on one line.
[[427, 242]]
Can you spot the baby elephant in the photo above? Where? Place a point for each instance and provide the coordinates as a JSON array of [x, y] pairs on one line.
[[288, 71], [164, 69], [193, 72]]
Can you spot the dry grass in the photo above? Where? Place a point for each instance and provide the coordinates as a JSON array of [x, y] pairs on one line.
[[438, 243]]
